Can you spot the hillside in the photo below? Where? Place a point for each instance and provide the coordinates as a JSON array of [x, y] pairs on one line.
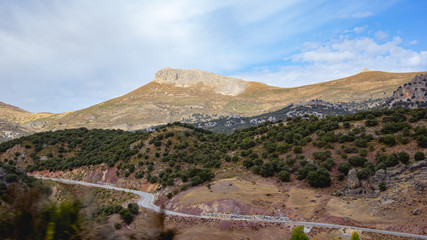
[[261, 170], [194, 96]]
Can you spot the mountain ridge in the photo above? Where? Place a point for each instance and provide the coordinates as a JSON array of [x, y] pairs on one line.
[[191, 99]]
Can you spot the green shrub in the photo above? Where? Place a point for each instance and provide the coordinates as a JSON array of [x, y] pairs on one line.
[[284, 176], [419, 156], [298, 234], [319, 178]]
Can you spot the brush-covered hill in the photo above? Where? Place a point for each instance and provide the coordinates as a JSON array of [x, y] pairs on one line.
[[317, 151], [194, 96]]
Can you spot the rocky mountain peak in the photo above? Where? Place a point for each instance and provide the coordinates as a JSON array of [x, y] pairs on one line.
[[204, 80]]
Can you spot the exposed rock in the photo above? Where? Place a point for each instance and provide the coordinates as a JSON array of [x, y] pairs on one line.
[[417, 165], [416, 211], [396, 170], [379, 176], [187, 78], [412, 94], [352, 180]]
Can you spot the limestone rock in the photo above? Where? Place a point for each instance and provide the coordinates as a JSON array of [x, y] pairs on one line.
[[352, 180], [190, 78]]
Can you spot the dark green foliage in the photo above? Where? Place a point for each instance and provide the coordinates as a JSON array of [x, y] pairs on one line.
[[319, 178], [126, 215], [303, 172], [403, 157], [322, 156], [419, 156], [297, 149], [357, 161], [344, 167], [363, 173], [389, 140], [284, 176], [133, 208], [371, 123]]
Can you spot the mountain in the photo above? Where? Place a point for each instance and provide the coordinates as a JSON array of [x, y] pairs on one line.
[[194, 96]]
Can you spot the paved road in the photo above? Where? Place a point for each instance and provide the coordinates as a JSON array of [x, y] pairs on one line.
[[147, 201]]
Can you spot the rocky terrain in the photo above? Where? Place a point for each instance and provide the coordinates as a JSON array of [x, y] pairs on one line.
[[412, 94], [315, 107]]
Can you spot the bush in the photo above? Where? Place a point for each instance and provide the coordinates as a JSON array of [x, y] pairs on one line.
[[344, 167], [419, 156], [388, 139], [284, 176], [319, 178], [297, 149], [357, 161], [403, 157], [133, 208], [355, 236], [117, 225], [363, 173], [126, 215], [298, 234]]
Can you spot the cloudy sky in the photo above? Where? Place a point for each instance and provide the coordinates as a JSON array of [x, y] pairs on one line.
[[64, 55]]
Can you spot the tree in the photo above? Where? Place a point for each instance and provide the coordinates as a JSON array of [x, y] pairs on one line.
[[133, 208], [403, 157], [284, 176], [319, 178], [355, 236]]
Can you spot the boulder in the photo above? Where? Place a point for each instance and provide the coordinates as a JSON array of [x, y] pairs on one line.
[[416, 211], [352, 180]]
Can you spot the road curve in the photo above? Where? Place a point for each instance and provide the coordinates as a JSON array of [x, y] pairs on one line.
[[147, 201]]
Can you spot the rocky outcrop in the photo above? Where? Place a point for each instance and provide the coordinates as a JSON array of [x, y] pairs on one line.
[[188, 78], [370, 187], [412, 94]]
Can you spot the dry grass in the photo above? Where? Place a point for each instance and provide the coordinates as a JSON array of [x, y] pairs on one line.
[[240, 190]]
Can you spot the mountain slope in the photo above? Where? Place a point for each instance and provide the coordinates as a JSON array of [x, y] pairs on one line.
[[194, 96]]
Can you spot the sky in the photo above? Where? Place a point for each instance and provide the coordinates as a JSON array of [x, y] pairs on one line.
[[64, 55]]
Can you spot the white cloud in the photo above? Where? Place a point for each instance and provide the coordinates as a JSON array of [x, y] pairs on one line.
[[380, 35], [413, 42], [362, 14], [356, 30], [64, 55], [319, 62]]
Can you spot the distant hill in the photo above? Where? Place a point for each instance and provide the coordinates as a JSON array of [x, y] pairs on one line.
[[194, 96]]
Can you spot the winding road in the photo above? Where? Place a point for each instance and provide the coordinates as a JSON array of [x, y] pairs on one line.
[[147, 201]]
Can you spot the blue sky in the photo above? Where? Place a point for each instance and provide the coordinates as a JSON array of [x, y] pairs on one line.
[[58, 56]]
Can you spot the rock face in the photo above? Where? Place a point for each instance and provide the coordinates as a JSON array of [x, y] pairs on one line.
[[412, 94], [188, 78], [370, 187]]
